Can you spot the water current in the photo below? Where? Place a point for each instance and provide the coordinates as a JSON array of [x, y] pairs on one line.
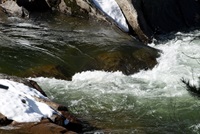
[[150, 101]]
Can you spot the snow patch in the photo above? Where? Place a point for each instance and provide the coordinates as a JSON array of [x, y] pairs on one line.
[[18, 103], [112, 9]]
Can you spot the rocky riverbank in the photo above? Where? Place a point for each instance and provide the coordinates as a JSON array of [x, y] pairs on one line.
[[144, 18], [19, 114]]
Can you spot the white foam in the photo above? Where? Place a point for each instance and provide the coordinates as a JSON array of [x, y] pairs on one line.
[[195, 128], [174, 64], [164, 80], [156, 94], [111, 8], [18, 103]]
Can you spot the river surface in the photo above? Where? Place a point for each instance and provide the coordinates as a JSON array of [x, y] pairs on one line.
[[151, 101]]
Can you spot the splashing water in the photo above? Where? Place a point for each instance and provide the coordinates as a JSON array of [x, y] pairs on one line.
[[152, 101]]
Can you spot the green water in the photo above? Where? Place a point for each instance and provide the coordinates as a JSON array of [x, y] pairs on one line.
[[151, 101], [53, 39]]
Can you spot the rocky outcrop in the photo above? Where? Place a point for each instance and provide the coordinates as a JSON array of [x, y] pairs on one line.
[[11, 8], [132, 17], [55, 124], [2, 14], [145, 18], [43, 127], [4, 120], [161, 16]]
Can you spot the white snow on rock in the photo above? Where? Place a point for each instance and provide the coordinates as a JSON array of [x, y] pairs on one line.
[[112, 9], [18, 103]]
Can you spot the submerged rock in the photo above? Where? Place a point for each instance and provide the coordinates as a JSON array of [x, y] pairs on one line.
[[55, 71], [62, 121], [126, 59]]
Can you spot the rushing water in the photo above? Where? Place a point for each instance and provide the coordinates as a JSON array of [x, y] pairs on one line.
[[152, 101]]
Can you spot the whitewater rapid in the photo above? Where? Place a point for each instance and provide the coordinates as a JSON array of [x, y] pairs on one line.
[[150, 101], [179, 59], [155, 98]]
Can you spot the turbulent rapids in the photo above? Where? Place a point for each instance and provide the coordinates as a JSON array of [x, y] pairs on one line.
[[150, 100], [153, 101]]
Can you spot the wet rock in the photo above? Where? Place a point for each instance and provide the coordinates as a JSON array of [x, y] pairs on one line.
[[127, 59], [17, 79], [37, 87], [4, 121], [43, 127], [55, 71], [2, 14], [65, 119], [132, 17], [71, 7], [81, 8]]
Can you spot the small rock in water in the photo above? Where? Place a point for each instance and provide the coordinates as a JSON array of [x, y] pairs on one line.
[[23, 101], [3, 86]]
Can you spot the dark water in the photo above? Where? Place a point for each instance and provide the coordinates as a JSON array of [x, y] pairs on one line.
[[152, 101], [52, 39]]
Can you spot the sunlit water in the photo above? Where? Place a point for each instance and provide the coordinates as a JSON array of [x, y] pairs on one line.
[[152, 101]]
